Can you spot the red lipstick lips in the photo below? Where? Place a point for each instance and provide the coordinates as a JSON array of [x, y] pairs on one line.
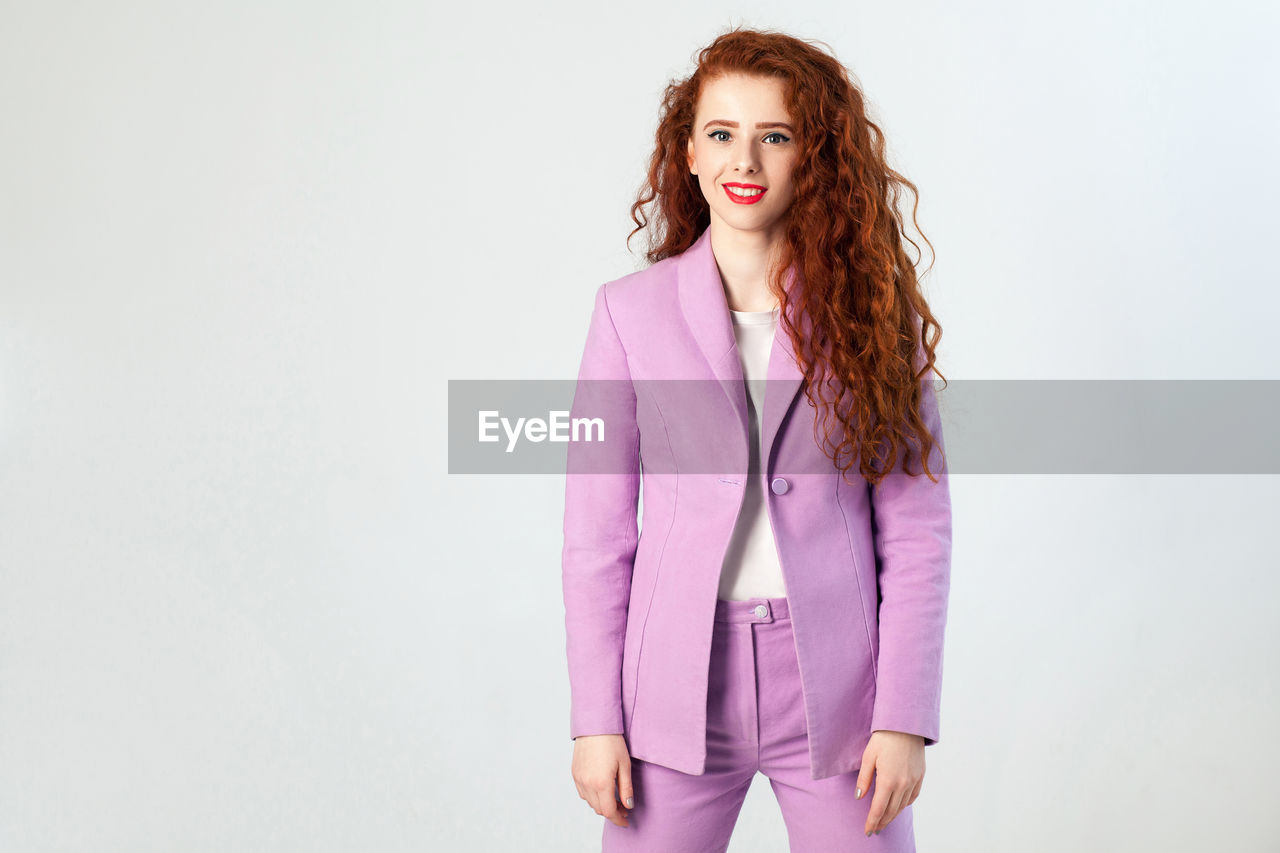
[[738, 199]]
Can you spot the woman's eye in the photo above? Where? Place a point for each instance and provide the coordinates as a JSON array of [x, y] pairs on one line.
[[722, 136]]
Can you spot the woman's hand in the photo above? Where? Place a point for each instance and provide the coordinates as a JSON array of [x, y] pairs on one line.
[[598, 762], [898, 761]]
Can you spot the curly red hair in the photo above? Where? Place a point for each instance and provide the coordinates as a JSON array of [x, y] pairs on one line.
[[843, 237]]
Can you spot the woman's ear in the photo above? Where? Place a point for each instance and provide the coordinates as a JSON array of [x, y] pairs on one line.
[[689, 159]]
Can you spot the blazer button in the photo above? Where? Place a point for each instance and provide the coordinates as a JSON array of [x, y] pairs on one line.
[[780, 486]]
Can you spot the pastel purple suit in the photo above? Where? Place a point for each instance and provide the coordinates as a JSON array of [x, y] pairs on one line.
[[867, 571]]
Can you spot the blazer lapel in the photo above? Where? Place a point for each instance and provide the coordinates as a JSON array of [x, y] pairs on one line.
[[707, 312], [784, 381]]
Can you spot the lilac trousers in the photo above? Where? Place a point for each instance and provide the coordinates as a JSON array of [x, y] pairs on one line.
[[755, 722]]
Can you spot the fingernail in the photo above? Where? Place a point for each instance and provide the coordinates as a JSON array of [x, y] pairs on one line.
[[631, 801], [858, 794], [877, 832], [868, 835]]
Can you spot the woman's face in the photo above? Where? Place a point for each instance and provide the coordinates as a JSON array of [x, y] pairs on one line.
[[742, 149]]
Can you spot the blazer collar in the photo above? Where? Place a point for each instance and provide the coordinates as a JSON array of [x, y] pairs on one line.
[[706, 311]]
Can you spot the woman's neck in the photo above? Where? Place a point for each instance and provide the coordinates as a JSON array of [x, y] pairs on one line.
[[744, 259]]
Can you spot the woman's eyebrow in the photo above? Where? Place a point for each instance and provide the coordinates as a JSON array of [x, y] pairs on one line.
[[760, 125]]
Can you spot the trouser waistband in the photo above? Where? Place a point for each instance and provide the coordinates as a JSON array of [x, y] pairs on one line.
[[752, 610]]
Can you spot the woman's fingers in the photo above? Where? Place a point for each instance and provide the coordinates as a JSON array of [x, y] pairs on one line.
[[879, 805], [590, 796], [626, 792], [609, 801], [896, 804], [885, 805], [915, 792]]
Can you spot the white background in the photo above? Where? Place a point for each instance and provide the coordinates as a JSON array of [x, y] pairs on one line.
[[244, 246]]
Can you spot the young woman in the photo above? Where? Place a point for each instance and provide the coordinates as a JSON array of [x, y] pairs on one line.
[[781, 608]]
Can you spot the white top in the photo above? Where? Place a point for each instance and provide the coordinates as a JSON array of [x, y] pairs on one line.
[[751, 567]]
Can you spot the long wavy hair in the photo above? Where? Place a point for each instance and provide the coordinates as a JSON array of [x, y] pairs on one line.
[[870, 342]]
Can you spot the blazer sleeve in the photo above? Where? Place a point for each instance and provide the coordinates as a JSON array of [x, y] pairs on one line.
[[912, 527], [602, 485]]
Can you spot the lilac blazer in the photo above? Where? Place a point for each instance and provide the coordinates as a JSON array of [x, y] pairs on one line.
[[867, 571]]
